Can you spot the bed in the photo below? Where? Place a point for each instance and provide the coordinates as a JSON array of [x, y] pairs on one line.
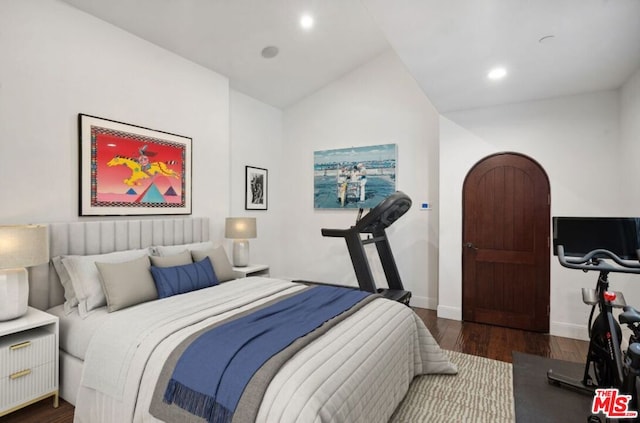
[[117, 358]]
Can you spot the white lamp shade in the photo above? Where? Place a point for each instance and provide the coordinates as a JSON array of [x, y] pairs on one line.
[[23, 246], [20, 246], [240, 227]]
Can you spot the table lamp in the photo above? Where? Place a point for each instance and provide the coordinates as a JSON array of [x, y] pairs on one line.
[[240, 229], [20, 246]]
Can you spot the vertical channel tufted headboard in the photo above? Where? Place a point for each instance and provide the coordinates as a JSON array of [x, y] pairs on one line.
[[99, 237]]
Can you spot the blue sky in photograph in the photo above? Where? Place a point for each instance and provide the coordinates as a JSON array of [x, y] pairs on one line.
[[372, 152]]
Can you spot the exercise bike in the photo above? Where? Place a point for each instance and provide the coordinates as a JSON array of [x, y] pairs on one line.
[[606, 366]]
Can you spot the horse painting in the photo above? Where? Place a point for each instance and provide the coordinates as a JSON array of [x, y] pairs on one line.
[[137, 171]]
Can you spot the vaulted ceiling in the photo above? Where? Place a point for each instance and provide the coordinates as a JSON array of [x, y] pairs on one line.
[[548, 48]]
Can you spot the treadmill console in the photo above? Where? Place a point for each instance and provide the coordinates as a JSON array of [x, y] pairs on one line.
[[384, 214]]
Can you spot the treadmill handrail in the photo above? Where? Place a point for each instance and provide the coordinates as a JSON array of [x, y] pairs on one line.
[[337, 233]]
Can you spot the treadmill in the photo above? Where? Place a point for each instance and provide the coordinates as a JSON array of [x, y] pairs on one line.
[[373, 225]]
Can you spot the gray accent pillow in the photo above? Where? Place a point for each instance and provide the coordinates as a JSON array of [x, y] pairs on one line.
[[221, 265], [173, 260], [85, 276], [127, 284]]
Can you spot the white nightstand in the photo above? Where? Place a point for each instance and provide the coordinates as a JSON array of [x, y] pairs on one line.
[[28, 360], [251, 270]]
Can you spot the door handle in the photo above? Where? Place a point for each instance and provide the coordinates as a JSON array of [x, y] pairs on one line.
[[470, 245]]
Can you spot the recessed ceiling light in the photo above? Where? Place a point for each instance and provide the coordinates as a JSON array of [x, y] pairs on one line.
[[497, 73], [270, 52], [306, 21]]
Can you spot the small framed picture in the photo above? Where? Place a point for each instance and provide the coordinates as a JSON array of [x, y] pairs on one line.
[[256, 188]]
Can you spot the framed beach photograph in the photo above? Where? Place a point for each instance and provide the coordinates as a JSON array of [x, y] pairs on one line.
[[131, 170], [256, 188], [354, 177]]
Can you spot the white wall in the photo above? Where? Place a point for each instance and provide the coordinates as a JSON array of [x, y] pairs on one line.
[[576, 140], [58, 62], [256, 140], [630, 193], [378, 103], [630, 142]]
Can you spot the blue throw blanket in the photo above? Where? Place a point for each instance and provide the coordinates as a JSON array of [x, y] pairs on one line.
[[210, 376]]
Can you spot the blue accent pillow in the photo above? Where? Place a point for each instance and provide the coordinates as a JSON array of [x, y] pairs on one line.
[[184, 278]]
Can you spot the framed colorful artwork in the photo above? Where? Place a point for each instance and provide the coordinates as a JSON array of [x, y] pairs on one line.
[[255, 188], [130, 170], [354, 177]]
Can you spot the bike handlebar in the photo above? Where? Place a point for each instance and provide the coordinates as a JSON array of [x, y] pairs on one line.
[[590, 261]]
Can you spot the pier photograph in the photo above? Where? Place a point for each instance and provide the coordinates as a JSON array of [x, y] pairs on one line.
[[355, 177]]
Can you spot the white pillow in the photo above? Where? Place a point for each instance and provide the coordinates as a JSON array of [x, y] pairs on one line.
[[65, 280], [85, 277], [173, 260], [170, 250]]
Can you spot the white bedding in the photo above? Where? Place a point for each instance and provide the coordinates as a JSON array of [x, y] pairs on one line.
[[76, 332], [358, 372]]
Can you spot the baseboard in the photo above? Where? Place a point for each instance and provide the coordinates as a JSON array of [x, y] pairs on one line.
[[569, 330], [446, 312]]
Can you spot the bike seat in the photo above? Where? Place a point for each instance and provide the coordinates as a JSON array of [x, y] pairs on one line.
[[629, 315]]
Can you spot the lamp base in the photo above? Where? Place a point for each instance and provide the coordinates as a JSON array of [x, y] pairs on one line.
[[14, 293], [240, 252]]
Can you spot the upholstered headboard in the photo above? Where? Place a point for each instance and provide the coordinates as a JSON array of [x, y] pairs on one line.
[[99, 237]]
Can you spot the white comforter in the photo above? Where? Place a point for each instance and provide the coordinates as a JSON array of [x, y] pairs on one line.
[[358, 372]]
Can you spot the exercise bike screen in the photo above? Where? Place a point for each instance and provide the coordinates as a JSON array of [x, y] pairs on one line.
[[580, 235]]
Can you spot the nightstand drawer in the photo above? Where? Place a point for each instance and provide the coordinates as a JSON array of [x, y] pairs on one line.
[[26, 350], [26, 384]]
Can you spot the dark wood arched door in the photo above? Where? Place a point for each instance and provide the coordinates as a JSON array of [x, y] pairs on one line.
[[506, 229]]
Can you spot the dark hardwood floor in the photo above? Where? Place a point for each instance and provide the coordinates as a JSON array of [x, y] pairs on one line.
[[471, 338], [498, 342]]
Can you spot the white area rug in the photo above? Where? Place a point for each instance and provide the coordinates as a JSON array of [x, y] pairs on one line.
[[482, 391]]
